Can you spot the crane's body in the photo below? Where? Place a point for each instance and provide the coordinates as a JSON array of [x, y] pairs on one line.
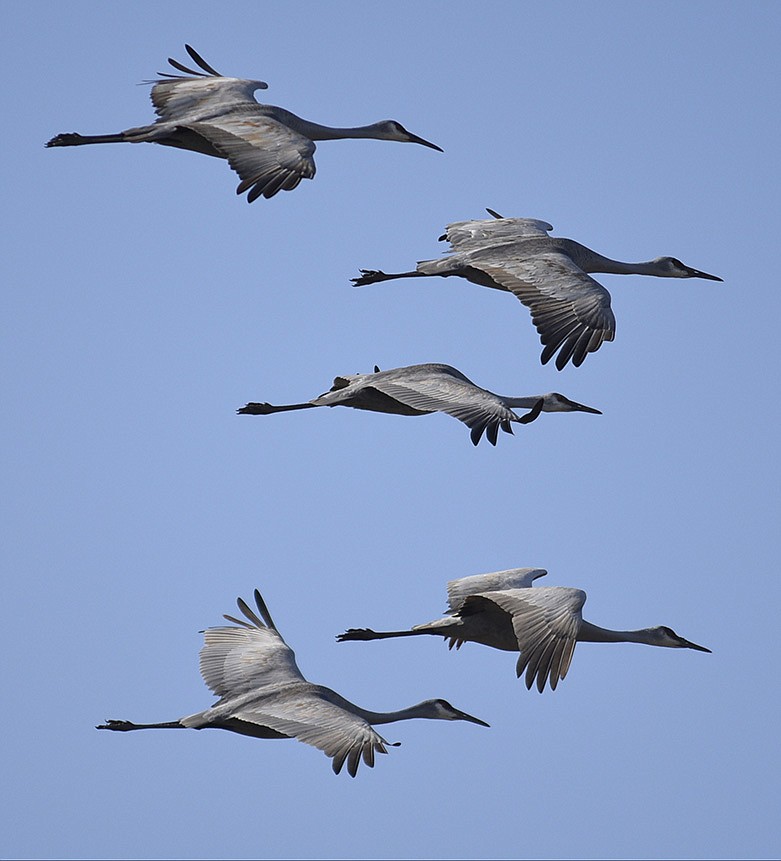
[[549, 274], [263, 694], [418, 390], [503, 611], [270, 148]]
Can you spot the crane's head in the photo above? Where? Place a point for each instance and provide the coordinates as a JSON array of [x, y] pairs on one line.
[[671, 267], [394, 131], [664, 636], [553, 402], [442, 710]]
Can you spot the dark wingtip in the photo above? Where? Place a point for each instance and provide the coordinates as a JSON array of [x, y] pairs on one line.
[[493, 212], [200, 61]]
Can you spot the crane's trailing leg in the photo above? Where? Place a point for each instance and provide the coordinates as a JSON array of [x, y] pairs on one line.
[[75, 139], [126, 725], [267, 409], [368, 634], [373, 276]]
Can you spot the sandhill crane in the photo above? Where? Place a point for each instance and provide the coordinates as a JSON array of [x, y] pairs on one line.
[[421, 389], [503, 611], [270, 148], [570, 310], [263, 694]]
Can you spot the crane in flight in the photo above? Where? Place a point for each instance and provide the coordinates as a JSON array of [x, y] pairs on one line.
[[270, 148], [570, 310], [417, 390], [263, 694], [503, 611]]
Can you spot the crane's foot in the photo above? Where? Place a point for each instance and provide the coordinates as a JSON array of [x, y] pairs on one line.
[[369, 276], [264, 409], [67, 139], [120, 725], [356, 634]]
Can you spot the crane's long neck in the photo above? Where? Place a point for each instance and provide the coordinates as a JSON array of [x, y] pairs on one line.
[[421, 710], [598, 263], [317, 132], [594, 634], [526, 403]]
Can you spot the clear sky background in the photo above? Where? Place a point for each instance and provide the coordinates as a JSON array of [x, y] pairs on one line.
[[144, 302]]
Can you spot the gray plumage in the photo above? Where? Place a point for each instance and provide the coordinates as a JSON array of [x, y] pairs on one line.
[[421, 389], [263, 694], [570, 310], [270, 148], [503, 611]]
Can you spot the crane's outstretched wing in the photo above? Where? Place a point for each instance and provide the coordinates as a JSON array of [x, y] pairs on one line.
[[546, 621], [198, 95], [309, 714], [249, 658], [254, 672], [267, 155], [440, 391], [512, 578], [570, 310], [471, 235]]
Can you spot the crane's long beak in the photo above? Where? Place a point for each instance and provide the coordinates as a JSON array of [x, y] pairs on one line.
[[470, 718], [689, 645], [583, 408], [415, 139], [695, 273]]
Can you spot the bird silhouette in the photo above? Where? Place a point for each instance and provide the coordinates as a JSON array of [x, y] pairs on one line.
[[270, 148], [570, 310], [263, 694]]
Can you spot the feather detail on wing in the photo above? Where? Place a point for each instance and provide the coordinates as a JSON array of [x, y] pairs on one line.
[[512, 578], [267, 155], [250, 658], [478, 409], [546, 621], [195, 99], [471, 235], [312, 719], [235, 661], [570, 310]]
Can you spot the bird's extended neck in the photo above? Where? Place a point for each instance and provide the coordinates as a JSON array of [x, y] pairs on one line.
[[594, 634], [317, 132], [526, 403], [420, 710], [598, 263]]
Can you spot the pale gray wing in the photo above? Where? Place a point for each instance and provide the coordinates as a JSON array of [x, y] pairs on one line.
[[309, 715], [192, 99], [236, 661], [570, 310], [512, 578], [267, 155], [471, 235], [480, 410], [546, 621]]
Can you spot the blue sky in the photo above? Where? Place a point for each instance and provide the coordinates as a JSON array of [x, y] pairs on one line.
[[145, 302]]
